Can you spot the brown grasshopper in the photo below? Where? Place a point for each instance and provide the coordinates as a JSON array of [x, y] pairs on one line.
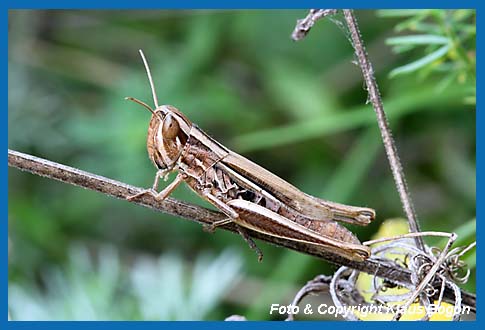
[[251, 197]]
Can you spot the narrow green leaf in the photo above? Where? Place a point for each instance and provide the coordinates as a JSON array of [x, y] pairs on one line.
[[419, 39], [341, 121], [423, 27], [403, 48], [353, 169], [413, 66], [399, 12], [471, 259], [465, 232]]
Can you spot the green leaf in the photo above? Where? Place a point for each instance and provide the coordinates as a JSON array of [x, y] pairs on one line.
[[466, 232], [419, 39], [353, 169], [399, 49], [413, 66], [399, 12], [340, 121], [423, 27]]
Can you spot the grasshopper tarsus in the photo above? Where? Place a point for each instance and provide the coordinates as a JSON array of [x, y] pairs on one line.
[[140, 194], [156, 195], [213, 226], [209, 228], [159, 196], [250, 242]]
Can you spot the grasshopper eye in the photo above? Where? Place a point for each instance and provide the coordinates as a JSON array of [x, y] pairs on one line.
[[170, 127]]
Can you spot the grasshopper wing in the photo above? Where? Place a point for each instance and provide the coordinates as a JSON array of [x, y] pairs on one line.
[[313, 207]]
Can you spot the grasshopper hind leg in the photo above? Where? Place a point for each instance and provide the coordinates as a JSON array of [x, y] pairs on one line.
[[232, 217], [243, 232], [212, 227], [250, 242]]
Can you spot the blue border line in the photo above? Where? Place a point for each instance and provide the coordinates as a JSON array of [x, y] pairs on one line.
[[213, 325], [479, 138], [357, 4], [218, 4]]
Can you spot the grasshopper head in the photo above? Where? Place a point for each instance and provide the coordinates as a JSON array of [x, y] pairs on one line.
[[168, 131], [167, 134]]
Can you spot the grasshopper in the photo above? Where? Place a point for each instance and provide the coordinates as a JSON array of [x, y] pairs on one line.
[[250, 196]]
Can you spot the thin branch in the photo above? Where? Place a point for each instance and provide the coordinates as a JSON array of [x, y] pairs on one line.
[[389, 144], [301, 30], [39, 166], [303, 26], [409, 235]]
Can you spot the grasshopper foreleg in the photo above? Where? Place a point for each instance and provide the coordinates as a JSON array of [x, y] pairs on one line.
[[159, 196]]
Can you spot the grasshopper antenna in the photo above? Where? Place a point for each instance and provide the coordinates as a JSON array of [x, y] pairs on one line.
[[152, 86], [129, 98]]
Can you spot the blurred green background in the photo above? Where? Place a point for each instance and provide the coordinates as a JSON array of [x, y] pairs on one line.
[[298, 109]]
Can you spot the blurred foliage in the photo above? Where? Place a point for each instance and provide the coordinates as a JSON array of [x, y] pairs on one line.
[[163, 289], [298, 109], [449, 41]]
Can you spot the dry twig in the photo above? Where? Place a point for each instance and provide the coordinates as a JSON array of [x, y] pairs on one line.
[[301, 30]]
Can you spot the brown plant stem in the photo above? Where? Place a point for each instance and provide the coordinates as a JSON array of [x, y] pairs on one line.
[[389, 144], [302, 28]]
